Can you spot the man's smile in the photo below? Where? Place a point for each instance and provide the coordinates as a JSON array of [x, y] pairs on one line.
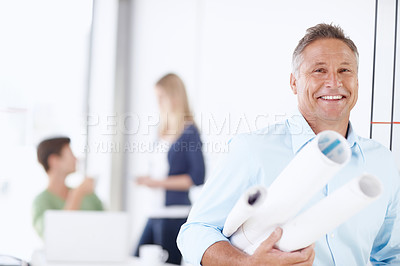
[[331, 97]]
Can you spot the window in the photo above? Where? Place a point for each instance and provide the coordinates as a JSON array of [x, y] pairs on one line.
[[43, 83]]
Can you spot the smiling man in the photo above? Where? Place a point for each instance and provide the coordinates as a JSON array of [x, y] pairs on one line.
[[325, 80], [326, 83]]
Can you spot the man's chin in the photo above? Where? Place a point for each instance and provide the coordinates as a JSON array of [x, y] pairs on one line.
[[72, 171], [335, 117]]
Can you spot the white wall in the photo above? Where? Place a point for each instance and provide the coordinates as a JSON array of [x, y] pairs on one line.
[[235, 59], [246, 56], [165, 40], [42, 82]]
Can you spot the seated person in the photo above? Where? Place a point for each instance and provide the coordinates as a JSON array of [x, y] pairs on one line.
[[56, 156]]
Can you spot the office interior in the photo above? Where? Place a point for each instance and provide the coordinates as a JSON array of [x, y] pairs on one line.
[[87, 69]]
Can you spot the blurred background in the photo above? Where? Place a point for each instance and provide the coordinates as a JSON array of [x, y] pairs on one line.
[[87, 69]]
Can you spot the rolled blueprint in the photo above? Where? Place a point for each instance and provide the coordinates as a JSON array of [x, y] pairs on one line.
[[247, 204], [329, 213], [315, 164]]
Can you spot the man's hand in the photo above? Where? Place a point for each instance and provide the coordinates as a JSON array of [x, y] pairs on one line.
[[75, 196], [266, 254], [223, 253], [86, 187]]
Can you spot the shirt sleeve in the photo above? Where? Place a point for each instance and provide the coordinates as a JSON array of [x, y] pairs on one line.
[[39, 207], [196, 160], [386, 247], [233, 175], [92, 203]]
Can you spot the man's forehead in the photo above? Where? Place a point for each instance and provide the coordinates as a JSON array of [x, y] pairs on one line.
[[324, 52], [325, 61], [328, 47], [66, 147], [323, 58]]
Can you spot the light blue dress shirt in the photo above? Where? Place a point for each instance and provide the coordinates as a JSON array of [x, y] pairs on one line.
[[259, 157]]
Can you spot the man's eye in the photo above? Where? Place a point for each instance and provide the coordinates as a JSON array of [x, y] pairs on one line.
[[344, 70], [319, 70]]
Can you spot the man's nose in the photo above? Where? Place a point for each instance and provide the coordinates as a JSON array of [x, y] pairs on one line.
[[333, 80]]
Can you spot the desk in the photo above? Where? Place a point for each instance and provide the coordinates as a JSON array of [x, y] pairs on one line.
[[39, 259]]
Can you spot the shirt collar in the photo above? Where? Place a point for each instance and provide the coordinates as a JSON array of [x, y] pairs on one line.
[[352, 137], [302, 133], [354, 140]]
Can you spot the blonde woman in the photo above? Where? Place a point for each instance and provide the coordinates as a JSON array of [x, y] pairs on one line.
[[185, 166]]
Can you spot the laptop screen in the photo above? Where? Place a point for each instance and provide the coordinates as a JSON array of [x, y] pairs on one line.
[[86, 236]]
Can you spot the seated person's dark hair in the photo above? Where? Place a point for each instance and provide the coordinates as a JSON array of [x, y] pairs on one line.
[[48, 147]]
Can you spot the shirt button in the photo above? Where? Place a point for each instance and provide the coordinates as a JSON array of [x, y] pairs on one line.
[[332, 235]]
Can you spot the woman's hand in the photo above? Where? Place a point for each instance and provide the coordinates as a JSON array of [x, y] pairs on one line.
[[148, 181], [173, 182]]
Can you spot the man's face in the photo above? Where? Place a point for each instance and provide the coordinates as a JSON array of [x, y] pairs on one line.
[[67, 160], [327, 84]]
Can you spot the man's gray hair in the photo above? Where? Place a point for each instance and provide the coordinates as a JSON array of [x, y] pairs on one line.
[[320, 31]]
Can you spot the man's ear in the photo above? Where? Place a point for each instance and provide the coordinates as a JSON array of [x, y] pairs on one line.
[[52, 160], [293, 83]]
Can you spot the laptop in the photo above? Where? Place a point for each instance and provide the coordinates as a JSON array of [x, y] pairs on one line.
[[86, 236]]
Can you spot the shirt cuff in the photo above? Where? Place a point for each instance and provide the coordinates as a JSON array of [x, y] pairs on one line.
[[194, 239]]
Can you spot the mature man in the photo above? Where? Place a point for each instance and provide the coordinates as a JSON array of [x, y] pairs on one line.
[[325, 80], [57, 159]]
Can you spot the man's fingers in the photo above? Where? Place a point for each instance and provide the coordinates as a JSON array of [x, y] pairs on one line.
[[267, 253], [310, 259], [305, 256], [309, 253], [272, 239]]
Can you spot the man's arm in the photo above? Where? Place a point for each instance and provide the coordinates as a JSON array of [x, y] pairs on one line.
[[386, 247], [200, 239], [75, 196], [236, 172], [223, 253], [39, 207]]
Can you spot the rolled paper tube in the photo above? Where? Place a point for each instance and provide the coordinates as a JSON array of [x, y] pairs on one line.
[[330, 212], [314, 165], [244, 208]]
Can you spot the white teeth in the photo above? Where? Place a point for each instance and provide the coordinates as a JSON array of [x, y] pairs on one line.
[[336, 97]]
